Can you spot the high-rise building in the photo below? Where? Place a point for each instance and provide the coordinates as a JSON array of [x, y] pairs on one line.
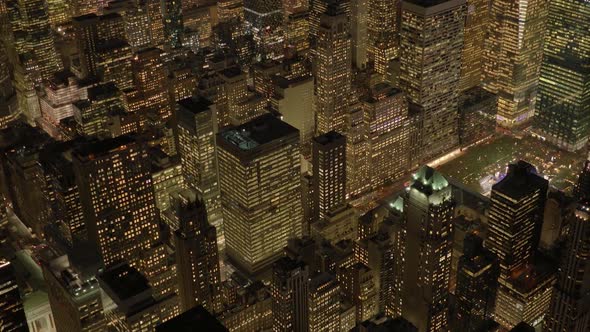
[[260, 181], [430, 67], [476, 24], [388, 134], [34, 40], [103, 48], [477, 283], [117, 196], [150, 79], [515, 222], [197, 259], [513, 53], [324, 303], [428, 213], [289, 290], [358, 163], [92, 114], [329, 173], [582, 187], [568, 310], [196, 120], [563, 94], [515, 217], [74, 295], [382, 31], [12, 313], [359, 288], [358, 32], [333, 69]]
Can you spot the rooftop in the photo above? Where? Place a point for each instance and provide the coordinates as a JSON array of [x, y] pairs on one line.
[[124, 281], [193, 320], [427, 179], [260, 131], [522, 179]]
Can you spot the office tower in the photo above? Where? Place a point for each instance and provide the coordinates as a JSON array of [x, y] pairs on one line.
[[229, 10], [33, 39], [357, 282], [197, 149], [167, 177], [64, 195], [183, 83], [382, 32], [117, 195], [74, 295], [136, 307], [260, 181], [513, 54], [428, 213], [388, 134], [242, 105], [85, 7], [358, 172], [103, 48], [358, 32], [265, 17], [329, 173], [59, 13], [197, 261], [477, 283], [289, 289], [198, 27], [293, 98], [582, 187], [324, 303], [429, 79], [477, 115], [296, 28], [172, 16], [92, 114], [150, 78], [12, 313], [339, 223], [144, 24], [515, 216], [568, 310], [563, 94], [378, 252], [8, 102], [476, 25], [333, 69], [197, 317], [515, 222]]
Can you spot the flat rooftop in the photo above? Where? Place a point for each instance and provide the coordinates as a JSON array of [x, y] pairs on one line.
[[257, 132]]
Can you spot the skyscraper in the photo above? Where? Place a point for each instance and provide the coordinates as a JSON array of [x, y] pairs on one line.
[[324, 303], [428, 213], [197, 260], [563, 99], [333, 69], [582, 187], [150, 78], [196, 120], [476, 24], [117, 197], [513, 54], [515, 216], [568, 310], [12, 313], [477, 284], [33, 39], [329, 172], [260, 181], [515, 221], [382, 31], [430, 67], [289, 290], [103, 48]]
